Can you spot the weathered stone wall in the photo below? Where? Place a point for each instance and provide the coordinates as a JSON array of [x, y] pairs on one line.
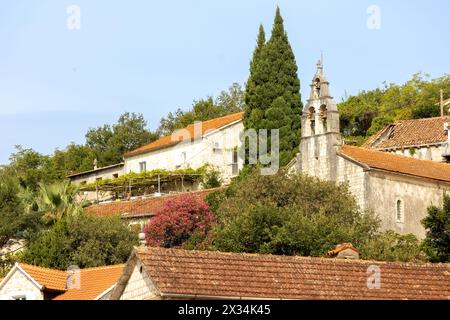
[[355, 176], [433, 153], [20, 285], [196, 153], [139, 286], [416, 195]]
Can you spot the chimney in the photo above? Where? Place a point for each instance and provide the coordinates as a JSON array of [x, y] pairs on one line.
[[344, 251], [95, 164], [142, 241]]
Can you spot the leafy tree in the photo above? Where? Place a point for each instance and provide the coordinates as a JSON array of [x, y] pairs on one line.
[[227, 102], [357, 112], [391, 246], [86, 241], [425, 111], [367, 112], [30, 168], [232, 100], [179, 220], [250, 231], [437, 224], [273, 98], [290, 215], [212, 178], [74, 158], [10, 210], [110, 143], [379, 123]]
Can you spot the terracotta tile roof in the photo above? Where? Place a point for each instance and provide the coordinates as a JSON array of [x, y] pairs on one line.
[[143, 206], [398, 164], [168, 140], [49, 278], [409, 133], [206, 273], [94, 281], [342, 247]]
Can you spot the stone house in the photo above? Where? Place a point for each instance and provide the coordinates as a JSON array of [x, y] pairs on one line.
[[96, 174], [87, 177], [213, 142], [27, 282], [425, 139], [158, 273], [397, 188]]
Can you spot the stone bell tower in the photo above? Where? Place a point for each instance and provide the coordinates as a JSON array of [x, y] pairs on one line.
[[320, 131]]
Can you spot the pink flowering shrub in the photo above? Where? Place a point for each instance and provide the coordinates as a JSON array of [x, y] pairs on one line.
[[179, 220]]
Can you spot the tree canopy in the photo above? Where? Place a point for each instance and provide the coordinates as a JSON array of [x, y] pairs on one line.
[[110, 143], [85, 241], [292, 214], [273, 90], [178, 221], [369, 111], [230, 101], [437, 224]]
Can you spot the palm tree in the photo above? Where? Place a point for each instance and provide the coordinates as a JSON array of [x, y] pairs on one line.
[[58, 200]]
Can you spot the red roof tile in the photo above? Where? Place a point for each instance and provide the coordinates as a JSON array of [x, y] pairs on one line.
[[409, 133], [169, 140], [205, 273], [142, 206], [49, 278], [94, 281], [398, 164]]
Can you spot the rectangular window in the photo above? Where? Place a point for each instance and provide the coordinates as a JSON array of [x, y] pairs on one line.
[[235, 156], [142, 166], [234, 163]]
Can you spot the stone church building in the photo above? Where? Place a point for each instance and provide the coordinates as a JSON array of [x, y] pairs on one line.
[[397, 188]]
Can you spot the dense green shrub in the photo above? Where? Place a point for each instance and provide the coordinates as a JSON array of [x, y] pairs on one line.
[[391, 246], [86, 241], [437, 224], [293, 215]]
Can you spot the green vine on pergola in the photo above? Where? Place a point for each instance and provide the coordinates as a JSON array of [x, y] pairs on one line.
[[144, 179]]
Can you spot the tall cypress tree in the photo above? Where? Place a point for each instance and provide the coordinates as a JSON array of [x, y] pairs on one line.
[[273, 101], [251, 108], [254, 81]]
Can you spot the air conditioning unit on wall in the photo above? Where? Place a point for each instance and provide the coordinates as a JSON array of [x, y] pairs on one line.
[[217, 146]]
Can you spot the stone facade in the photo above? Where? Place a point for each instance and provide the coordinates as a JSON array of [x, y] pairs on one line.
[[399, 200], [423, 139], [429, 152], [356, 178], [139, 286], [19, 286], [97, 174], [320, 131], [385, 191], [216, 148]]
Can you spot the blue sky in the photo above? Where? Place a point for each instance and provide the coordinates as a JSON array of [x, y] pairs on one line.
[[155, 56]]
